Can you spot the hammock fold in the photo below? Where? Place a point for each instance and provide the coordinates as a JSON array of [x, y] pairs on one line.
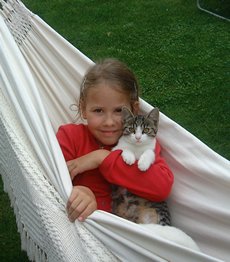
[[40, 76]]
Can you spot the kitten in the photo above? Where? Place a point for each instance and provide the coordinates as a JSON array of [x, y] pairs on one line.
[[138, 143], [139, 138]]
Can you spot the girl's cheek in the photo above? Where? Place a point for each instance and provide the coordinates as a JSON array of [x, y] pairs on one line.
[[119, 119], [94, 120]]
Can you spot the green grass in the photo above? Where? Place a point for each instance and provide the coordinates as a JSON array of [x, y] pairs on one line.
[[179, 54]]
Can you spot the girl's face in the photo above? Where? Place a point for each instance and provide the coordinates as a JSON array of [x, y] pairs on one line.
[[102, 110]]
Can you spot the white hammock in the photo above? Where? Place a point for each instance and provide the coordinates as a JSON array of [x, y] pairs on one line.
[[40, 74]]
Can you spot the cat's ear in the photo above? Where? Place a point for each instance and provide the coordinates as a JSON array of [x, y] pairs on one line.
[[154, 114], [126, 112]]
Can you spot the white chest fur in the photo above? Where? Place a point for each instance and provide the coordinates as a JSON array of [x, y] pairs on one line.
[[137, 147]]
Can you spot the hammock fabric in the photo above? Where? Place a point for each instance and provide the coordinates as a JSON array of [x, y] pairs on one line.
[[40, 75]]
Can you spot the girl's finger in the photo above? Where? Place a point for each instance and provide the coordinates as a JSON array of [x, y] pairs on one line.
[[70, 166], [73, 200], [87, 211], [74, 209], [69, 163], [73, 172], [77, 212]]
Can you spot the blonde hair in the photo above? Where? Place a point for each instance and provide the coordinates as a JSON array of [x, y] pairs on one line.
[[113, 72]]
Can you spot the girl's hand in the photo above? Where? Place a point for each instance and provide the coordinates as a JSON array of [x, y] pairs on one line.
[[87, 162], [81, 203]]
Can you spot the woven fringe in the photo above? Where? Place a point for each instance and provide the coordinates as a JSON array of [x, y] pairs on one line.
[[34, 252]]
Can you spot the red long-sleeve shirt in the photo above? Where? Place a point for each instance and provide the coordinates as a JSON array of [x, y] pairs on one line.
[[154, 184]]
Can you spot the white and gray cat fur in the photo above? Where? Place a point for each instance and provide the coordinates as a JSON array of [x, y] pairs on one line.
[[139, 138], [138, 143]]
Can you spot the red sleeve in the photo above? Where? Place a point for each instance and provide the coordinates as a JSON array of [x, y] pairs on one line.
[[65, 137], [154, 184]]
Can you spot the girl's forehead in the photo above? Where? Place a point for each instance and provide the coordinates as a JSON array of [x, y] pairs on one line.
[[106, 94], [107, 89]]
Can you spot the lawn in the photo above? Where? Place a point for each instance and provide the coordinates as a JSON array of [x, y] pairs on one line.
[[179, 54]]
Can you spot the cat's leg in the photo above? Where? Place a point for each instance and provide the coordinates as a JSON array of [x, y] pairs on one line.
[[128, 157], [146, 160]]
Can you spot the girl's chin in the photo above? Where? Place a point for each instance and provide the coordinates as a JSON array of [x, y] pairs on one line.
[[108, 141]]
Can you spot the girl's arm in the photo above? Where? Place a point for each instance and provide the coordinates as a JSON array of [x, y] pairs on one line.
[[87, 162], [82, 201], [154, 184]]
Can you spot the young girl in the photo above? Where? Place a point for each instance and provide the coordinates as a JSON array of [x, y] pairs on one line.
[[106, 88]]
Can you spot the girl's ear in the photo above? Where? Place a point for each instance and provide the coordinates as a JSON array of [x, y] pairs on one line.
[[82, 109], [135, 107], [83, 114]]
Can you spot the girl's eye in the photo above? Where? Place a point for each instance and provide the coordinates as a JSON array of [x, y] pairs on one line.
[[98, 110], [118, 110], [146, 130]]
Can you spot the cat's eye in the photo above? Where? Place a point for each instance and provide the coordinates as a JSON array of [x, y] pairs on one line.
[[131, 129], [146, 130]]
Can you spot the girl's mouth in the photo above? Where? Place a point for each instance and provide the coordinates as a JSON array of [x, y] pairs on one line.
[[109, 132]]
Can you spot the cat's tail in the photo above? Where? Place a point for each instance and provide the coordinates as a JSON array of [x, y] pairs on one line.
[[172, 234]]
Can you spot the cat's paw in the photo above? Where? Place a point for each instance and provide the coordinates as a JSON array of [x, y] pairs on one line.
[[128, 157], [143, 165], [145, 162]]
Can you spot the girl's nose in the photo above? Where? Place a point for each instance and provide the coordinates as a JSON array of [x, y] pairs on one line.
[[109, 120]]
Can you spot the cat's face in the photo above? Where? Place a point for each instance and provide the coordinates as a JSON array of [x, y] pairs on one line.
[[138, 129]]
